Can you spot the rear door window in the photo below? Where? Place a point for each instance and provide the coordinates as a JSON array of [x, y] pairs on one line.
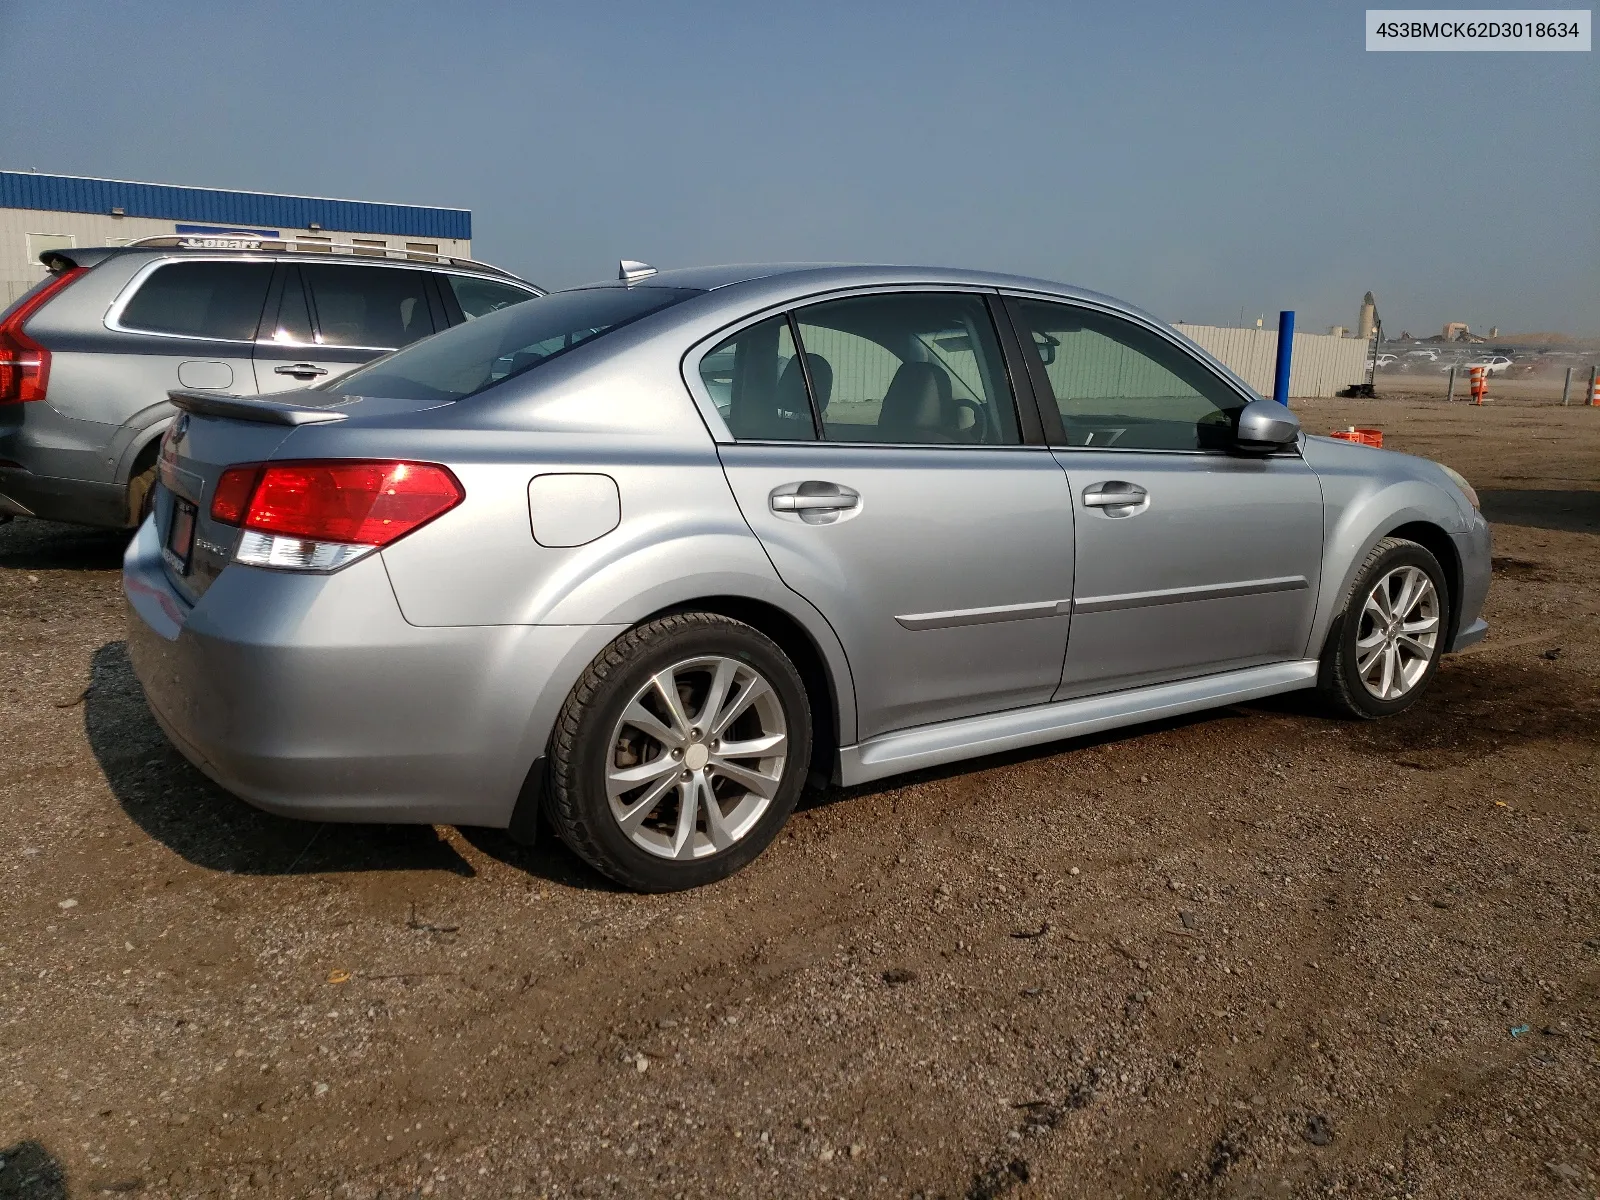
[[479, 296], [379, 308], [910, 368], [216, 300]]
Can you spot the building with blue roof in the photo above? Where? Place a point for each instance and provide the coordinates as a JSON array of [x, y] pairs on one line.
[[48, 212]]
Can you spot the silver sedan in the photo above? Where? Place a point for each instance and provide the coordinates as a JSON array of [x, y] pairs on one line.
[[645, 557]]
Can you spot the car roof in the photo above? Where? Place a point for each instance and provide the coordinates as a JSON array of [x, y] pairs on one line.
[[90, 256], [828, 276]]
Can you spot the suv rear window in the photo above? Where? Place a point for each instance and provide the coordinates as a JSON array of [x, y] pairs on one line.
[[465, 360], [201, 299], [376, 307], [480, 296]]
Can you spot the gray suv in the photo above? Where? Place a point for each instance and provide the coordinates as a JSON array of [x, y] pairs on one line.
[[87, 357]]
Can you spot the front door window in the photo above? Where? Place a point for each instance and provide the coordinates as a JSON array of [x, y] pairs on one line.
[[1118, 385]]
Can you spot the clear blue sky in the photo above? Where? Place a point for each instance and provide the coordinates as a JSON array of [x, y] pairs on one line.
[[1194, 158]]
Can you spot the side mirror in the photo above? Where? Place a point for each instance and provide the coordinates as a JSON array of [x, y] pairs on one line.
[[1266, 425]]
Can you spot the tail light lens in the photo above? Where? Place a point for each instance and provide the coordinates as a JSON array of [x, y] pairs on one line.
[[321, 515], [24, 364]]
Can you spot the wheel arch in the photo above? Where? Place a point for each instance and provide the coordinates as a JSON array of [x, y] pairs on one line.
[[830, 710], [143, 459], [1437, 542]]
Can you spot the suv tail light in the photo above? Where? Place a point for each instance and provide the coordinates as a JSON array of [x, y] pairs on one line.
[[318, 516], [24, 364]]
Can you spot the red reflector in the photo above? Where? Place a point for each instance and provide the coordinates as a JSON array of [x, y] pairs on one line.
[[365, 503], [229, 501], [24, 364]]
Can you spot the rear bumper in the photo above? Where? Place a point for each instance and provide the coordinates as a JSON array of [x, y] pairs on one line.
[[58, 468], [79, 501], [310, 696]]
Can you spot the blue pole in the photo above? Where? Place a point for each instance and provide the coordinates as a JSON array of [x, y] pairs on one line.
[[1280, 381]]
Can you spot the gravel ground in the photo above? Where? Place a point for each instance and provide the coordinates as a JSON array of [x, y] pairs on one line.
[[1256, 953]]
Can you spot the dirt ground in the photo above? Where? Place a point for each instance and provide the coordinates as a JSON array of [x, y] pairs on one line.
[[1256, 953]]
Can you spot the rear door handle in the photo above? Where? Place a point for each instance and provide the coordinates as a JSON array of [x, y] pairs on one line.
[[814, 501], [300, 370], [1115, 493]]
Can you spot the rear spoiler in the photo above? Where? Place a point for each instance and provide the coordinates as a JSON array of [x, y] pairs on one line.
[[58, 261], [241, 408]]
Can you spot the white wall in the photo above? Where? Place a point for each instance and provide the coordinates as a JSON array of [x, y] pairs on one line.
[[19, 271], [1322, 365]]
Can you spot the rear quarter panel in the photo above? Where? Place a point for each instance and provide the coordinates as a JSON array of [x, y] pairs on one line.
[[681, 537]]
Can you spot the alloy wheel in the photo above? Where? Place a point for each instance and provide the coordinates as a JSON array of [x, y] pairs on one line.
[[696, 757], [1398, 633]]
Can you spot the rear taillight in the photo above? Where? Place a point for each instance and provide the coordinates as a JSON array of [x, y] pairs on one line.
[[321, 515], [24, 364]]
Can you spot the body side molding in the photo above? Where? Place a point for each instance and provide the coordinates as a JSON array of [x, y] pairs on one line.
[[984, 616], [969, 737], [1218, 591]]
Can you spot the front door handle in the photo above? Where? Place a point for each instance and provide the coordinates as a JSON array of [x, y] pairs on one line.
[[815, 502], [300, 370], [1115, 493]]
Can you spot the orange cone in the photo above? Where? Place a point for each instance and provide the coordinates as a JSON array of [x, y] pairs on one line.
[[1594, 393], [1480, 383]]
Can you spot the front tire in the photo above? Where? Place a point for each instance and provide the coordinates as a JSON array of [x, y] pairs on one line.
[[1385, 649], [680, 753]]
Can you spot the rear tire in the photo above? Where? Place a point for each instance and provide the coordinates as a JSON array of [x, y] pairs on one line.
[[142, 494], [1384, 648], [680, 753]]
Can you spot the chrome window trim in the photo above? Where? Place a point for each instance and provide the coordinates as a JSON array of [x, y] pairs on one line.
[[119, 305], [689, 366]]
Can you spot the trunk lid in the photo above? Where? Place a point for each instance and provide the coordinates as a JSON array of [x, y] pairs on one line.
[[212, 433]]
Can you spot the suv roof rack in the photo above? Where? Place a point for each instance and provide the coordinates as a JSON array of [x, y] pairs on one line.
[[218, 241]]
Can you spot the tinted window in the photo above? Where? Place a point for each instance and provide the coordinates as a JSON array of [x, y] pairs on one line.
[[912, 368], [759, 385], [1120, 385], [479, 296], [382, 307], [294, 314], [481, 353], [201, 299]]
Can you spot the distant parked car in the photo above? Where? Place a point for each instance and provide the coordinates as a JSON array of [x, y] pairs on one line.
[[645, 556], [1383, 360], [1493, 365], [88, 355], [1423, 355]]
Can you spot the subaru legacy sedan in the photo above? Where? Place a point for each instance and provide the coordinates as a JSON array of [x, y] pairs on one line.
[[640, 559]]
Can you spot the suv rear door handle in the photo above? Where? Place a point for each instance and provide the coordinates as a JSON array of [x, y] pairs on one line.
[[1114, 493], [300, 370]]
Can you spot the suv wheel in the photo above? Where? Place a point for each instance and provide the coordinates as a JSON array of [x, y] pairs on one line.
[[680, 753], [1386, 648], [142, 494]]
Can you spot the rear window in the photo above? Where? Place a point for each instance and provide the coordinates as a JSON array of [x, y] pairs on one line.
[[469, 358], [479, 297], [201, 299]]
